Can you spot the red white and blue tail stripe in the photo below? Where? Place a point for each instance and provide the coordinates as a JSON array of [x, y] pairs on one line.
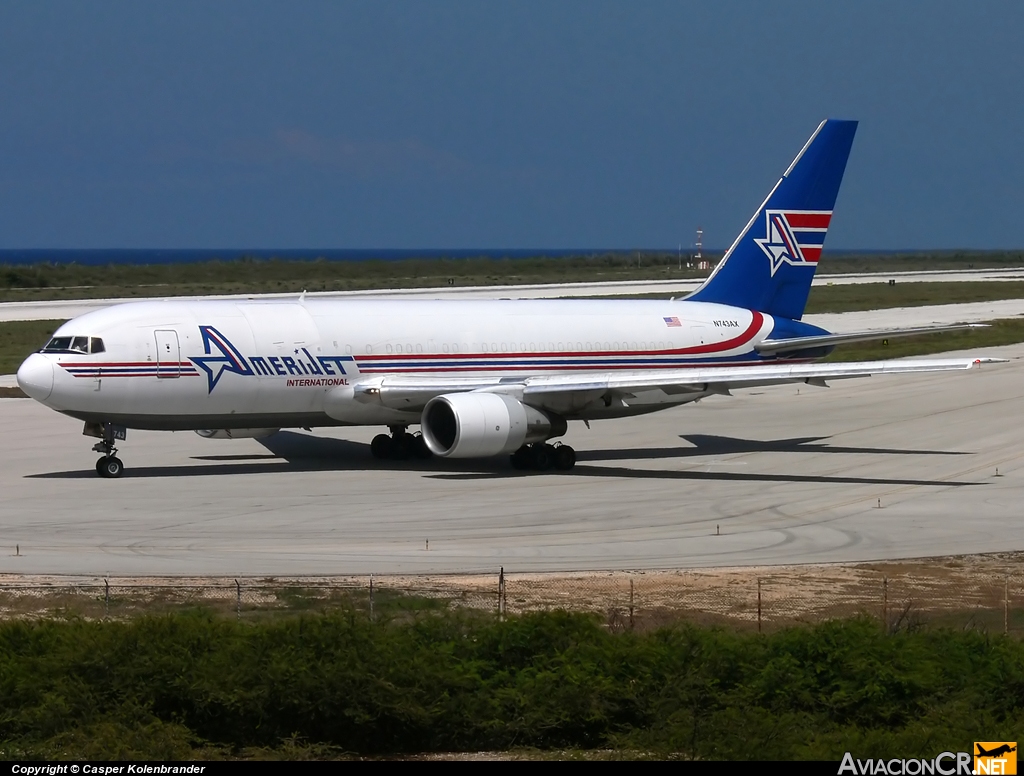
[[794, 237], [771, 264]]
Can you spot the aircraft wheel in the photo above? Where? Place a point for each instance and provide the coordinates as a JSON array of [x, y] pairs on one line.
[[520, 459], [402, 446], [110, 467], [565, 457], [381, 447], [420, 449], [542, 456]]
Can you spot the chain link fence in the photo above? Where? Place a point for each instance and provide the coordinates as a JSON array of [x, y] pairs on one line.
[[992, 600]]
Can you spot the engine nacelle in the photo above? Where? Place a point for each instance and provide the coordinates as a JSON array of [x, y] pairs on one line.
[[236, 433], [476, 425]]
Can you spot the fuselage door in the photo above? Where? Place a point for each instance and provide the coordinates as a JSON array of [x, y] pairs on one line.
[[168, 354]]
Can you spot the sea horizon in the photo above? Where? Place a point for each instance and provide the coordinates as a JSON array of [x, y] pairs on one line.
[[101, 256]]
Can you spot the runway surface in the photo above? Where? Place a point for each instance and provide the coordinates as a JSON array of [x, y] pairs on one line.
[[877, 468], [71, 308]]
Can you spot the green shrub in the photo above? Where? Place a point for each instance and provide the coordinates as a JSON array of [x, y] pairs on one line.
[[193, 684]]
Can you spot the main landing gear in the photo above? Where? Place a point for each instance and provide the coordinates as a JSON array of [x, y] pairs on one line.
[[400, 446], [541, 456]]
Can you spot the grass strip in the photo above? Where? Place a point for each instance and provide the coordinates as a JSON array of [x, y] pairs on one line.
[[252, 276], [249, 275], [881, 296], [18, 339], [1005, 331], [855, 297]]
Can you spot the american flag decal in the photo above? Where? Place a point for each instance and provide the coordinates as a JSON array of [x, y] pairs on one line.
[[794, 237], [673, 321]]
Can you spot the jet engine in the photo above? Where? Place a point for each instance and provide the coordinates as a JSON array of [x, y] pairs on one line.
[[476, 425], [236, 433]]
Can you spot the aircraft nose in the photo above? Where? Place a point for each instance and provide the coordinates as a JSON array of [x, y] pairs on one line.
[[35, 377]]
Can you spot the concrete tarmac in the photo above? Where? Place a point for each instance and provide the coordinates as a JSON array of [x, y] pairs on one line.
[[875, 468]]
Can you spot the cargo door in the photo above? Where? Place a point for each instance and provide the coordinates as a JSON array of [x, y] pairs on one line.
[[168, 353]]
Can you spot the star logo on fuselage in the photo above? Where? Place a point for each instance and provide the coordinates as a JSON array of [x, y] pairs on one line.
[[228, 360], [780, 244]]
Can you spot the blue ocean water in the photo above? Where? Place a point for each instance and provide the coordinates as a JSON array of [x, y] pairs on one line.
[[99, 257], [185, 256]]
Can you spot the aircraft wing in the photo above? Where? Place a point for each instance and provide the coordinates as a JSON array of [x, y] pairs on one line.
[[724, 378], [412, 393], [770, 347]]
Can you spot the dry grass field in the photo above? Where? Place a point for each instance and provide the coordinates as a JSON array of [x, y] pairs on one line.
[[975, 591]]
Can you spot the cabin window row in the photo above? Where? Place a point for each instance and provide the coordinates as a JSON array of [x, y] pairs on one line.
[[522, 347]]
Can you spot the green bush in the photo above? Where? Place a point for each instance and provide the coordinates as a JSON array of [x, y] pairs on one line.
[[188, 685]]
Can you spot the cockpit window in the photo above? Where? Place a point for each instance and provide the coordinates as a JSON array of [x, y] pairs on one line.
[[74, 345], [57, 344]]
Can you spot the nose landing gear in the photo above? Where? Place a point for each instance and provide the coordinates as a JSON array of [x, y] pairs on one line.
[[109, 465]]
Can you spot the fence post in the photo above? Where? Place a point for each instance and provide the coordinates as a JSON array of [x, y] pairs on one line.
[[501, 593], [758, 604], [631, 603], [106, 598], [885, 602], [371, 597], [1006, 604], [238, 600]]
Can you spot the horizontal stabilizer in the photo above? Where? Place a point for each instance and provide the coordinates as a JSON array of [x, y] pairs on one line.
[[791, 344]]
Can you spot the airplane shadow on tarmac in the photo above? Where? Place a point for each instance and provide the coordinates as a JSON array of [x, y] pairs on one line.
[[289, 451], [704, 475], [709, 444]]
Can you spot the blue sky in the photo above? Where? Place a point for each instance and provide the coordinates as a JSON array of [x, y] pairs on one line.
[[521, 124]]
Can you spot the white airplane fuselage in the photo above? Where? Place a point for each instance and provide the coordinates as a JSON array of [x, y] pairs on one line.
[[480, 378], [249, 364]]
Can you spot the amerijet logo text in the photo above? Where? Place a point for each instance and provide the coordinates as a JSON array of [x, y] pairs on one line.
[[794, 237], [221, 356]]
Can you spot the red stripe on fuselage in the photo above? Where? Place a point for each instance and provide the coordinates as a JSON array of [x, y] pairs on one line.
[[637, 367], [105, 364], [756, 321]]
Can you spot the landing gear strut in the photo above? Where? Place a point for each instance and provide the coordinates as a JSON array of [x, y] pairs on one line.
[[400, 446], [109, 466], [541, 456]]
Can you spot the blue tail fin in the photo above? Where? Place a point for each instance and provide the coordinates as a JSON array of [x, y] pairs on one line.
[[770, 266]]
